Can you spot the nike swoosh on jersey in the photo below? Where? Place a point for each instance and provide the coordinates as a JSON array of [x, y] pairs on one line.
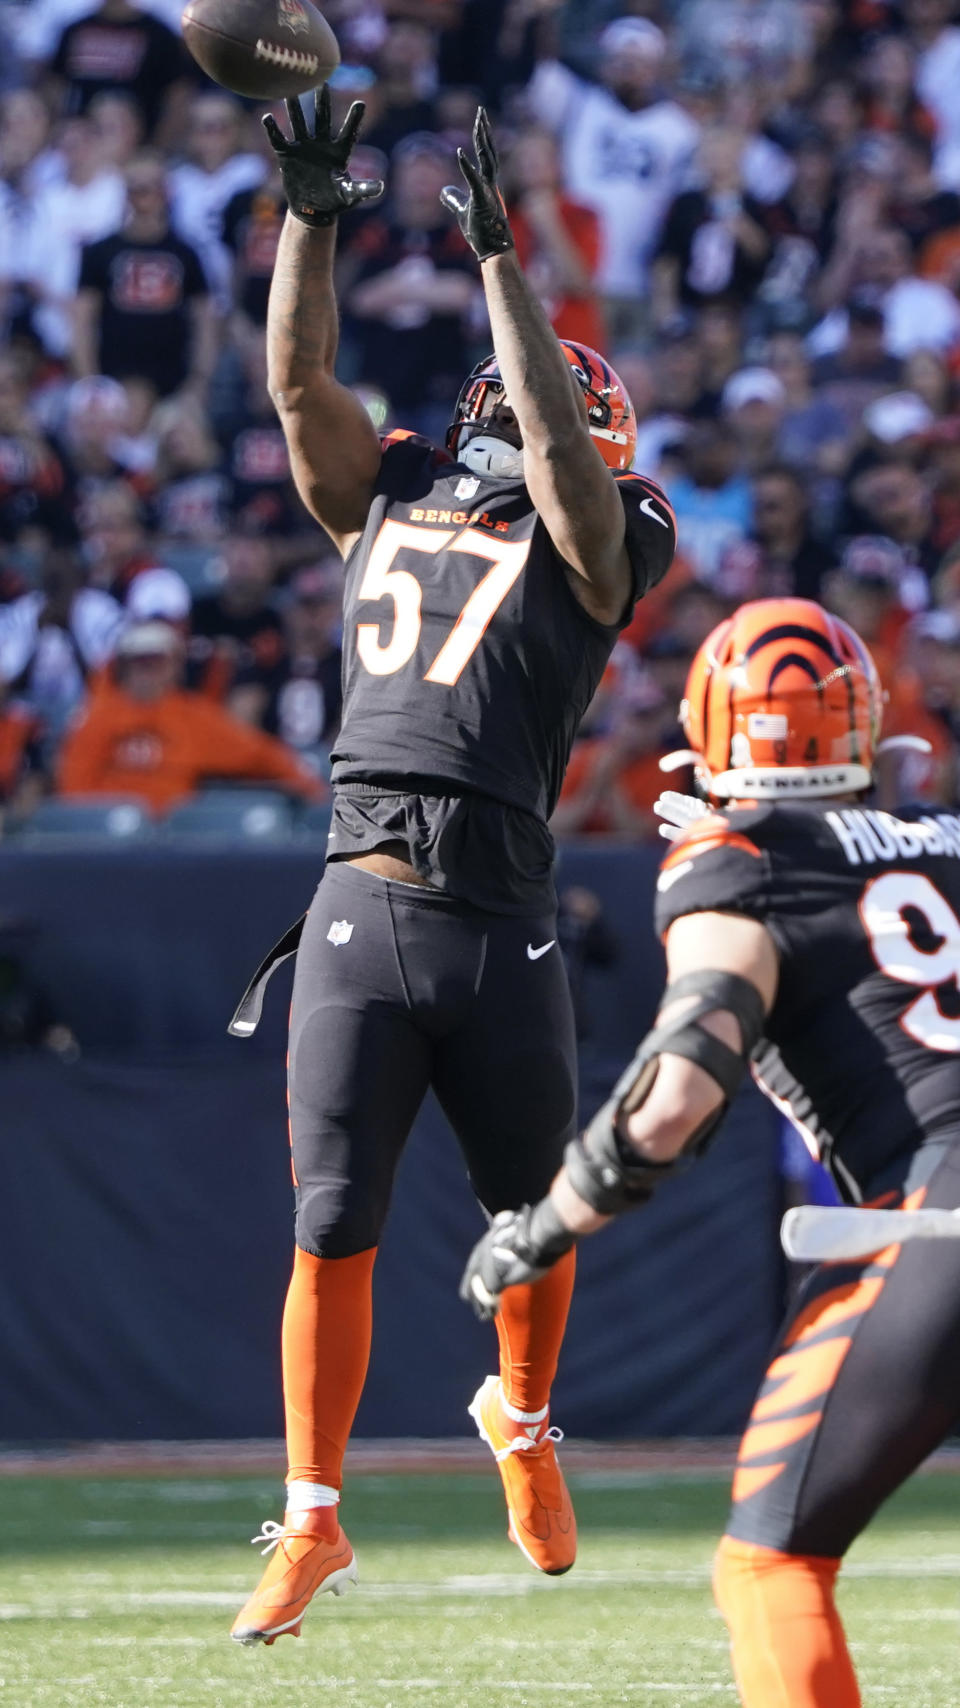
[[534, 954], [648, 510]]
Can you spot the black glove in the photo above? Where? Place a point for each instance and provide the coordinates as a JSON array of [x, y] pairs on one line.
[[481, 216], [519, 1245], [314, 168]]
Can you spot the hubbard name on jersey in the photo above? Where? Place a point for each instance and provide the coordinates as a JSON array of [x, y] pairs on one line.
[[468, 662], [862, 1045]]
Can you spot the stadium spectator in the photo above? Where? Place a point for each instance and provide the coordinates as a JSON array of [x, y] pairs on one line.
[[813, 433], [942, 464], [558, 239], [296, 696], [860, 368], [21, 758], [53, 638], [793, 562], [262, 496], [890, 100], [251, 231], [406, 78], [143, 734], [94, 438], [714, 241], [409, 285], [920, 205], [936, 42], [192, 489], [894, 500], [625, 147], [218, 168], [238, 628], [34, 488], [122, 559], [720, 337], [919, 314], [753, 405], [802, 223], [143, 307], [118, 45], [118, 128], [81, 207], [711, 498]]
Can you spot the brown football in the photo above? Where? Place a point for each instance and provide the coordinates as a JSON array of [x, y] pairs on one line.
[[269, 49]]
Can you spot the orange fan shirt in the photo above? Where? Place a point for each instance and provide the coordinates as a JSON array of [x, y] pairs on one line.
[[164, 751]]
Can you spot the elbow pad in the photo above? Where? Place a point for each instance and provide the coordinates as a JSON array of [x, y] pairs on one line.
[[602, 1168]]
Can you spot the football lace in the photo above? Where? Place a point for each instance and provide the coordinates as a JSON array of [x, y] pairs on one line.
[[289, 57]]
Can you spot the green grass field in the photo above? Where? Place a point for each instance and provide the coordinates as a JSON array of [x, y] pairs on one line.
[[120, 1591]]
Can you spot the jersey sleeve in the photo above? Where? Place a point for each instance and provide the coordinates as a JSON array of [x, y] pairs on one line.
[[718, 867], [651, 530]]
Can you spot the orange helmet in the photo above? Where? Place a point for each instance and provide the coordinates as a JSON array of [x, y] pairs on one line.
[[782, 700], [610, 414]]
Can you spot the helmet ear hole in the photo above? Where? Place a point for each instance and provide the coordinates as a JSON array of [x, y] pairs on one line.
[[783, 701]]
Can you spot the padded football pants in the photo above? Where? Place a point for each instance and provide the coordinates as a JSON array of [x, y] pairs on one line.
[[398, 989], [864, 1382]]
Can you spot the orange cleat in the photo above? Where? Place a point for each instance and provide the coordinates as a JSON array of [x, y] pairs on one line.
[[312, 1554], [542, 1522]]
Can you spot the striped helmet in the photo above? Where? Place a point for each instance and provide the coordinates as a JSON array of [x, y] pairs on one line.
[[610, 414], [783, 700]]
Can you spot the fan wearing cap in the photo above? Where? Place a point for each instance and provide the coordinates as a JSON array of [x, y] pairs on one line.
[[814, 938], [626, 146], [143, 734]]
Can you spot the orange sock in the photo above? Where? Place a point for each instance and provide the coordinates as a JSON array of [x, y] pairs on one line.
[[326, 1349], [787, 1642], [530, 1329]]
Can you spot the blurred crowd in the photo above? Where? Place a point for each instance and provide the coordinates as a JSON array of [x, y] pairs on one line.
[[751, 207]]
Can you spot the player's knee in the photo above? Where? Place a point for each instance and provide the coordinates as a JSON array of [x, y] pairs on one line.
[[331, 1222], [745, 1571]]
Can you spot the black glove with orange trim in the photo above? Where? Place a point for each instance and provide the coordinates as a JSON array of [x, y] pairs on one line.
[[315, 168], [481, 215]]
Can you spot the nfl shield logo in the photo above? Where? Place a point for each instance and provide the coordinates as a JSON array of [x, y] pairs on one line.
[[293, 15], [466, 488], [340, 932]]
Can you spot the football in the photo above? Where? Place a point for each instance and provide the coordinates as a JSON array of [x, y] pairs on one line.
[[271, 50]]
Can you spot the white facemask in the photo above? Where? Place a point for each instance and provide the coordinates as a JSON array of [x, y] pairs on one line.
[[493, 457]]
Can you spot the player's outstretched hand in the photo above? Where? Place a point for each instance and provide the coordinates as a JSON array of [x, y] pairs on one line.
[[481, 214], [679, 812], [519, 1246], [314, 168]]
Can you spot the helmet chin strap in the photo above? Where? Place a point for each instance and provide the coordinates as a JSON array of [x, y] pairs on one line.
[[486, 454]]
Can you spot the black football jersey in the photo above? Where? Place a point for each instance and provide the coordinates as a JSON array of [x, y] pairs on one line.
[[862, 1045], [468, 661]]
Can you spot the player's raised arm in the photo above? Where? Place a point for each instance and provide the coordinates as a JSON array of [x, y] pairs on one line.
[[722, 972], [333, 445], [568, 480]]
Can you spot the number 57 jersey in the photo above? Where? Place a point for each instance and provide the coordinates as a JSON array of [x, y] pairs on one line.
[[862, 1045], [468, 661]]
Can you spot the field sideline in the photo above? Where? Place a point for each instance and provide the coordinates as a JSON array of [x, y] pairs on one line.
[[118, 1584]]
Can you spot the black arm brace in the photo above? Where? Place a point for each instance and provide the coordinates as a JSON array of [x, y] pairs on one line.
[[601, 1167]]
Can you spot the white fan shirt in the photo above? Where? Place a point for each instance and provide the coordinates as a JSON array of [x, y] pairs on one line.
[[626, 166]]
